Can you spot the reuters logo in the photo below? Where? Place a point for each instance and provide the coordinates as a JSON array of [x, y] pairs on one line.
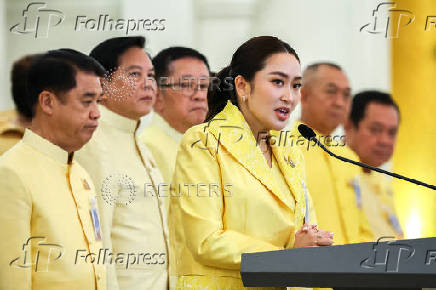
[[118, 190]]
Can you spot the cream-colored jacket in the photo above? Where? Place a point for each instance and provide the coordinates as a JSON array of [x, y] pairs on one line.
[[134, 219]]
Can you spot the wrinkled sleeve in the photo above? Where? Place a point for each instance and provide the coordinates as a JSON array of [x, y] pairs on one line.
[[15, 220], [201, 217]]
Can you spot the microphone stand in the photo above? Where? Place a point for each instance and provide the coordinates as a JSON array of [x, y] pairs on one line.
[[371, 167]]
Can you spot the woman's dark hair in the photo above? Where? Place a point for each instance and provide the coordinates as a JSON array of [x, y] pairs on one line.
[[248, 59]]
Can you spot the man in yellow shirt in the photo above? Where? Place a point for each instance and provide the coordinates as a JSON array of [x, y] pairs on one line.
[[181, 102], [130, 194], [325, 101], [48, 215], [13, 122], [371, 132]]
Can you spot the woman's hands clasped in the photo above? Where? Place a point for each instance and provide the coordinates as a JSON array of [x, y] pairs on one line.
[[311, 236]]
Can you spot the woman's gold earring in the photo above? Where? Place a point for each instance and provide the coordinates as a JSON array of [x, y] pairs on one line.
[[243, 98]]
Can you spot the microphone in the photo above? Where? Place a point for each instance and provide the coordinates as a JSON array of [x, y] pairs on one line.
[[308, 133]]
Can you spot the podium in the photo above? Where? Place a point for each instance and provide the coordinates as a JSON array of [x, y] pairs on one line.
[[402, 264]]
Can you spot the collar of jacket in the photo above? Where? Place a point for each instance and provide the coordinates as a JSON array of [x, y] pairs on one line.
[[46, 147], [117, 121], [160, 122], [234, 134]]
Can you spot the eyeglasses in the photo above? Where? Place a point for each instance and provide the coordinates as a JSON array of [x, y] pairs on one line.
[[187, 88]]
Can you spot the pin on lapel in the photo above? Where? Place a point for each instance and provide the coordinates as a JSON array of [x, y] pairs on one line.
[[85, 184], [290, 162]]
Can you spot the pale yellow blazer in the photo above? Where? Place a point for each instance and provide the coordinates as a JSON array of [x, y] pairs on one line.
[[45, 220], [132, 223], [225, 201]]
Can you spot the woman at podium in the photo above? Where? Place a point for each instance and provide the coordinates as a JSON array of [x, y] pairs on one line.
[[236, 188]]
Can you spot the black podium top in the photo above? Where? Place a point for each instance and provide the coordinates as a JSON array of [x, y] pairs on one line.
[[393, 264]]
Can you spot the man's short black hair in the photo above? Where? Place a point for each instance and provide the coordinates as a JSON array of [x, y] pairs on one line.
[[362, 100], [56, 71], [164, 58], [108, 52], [19, 89]]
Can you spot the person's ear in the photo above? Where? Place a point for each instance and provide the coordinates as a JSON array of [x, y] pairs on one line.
[[243, 88], [103, 97], [46, 101]]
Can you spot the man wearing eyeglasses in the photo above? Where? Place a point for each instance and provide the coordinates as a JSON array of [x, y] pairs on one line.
[[182, 75]]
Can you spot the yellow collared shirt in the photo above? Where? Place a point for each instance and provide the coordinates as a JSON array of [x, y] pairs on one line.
[[375, 196], [45, 218], [163, 141]]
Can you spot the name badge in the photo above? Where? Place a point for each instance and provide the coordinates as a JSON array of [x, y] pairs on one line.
[[95, 218], [357, 192]]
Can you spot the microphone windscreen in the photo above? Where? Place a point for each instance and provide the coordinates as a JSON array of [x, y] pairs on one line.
[[306, 131]]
